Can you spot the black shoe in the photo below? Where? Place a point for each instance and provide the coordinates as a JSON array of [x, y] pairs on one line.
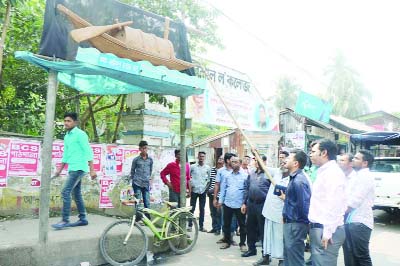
[[217, 233], [280, 263], [79, 223], [264, 260], [212, 231], [250, 253]]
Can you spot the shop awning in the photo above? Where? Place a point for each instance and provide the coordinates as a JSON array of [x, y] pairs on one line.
[[106, 74], [374, 138]]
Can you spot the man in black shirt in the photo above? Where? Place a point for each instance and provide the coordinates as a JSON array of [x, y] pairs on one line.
[[255, 192]]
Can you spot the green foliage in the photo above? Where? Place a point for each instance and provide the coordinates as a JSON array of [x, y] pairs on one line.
[[3, 3], [287, 92], [345, 91], [23, 86]]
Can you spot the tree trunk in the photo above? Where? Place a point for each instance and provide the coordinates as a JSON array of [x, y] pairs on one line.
[[95, 135], [3, 34], [121, 109]]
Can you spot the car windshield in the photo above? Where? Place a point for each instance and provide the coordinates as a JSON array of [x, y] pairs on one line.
[[386, 166]]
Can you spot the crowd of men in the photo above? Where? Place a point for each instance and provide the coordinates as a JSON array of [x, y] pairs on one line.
[[318, 197], [321, 197]]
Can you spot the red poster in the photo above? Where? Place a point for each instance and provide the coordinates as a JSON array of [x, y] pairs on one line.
[[4, 153], [106, 185], [24, 158], [97, 157], [56, 157]]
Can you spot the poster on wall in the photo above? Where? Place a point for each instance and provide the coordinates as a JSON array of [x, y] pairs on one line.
[[24, 158], [4, 155], [97, 158], [160, 159], [110, 167], [56, 157], [106, 187], [250, 110], [129, 153], [295, 140], [113, 161]]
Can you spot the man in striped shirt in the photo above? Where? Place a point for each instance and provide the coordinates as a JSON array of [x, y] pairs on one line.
[[214, 212]]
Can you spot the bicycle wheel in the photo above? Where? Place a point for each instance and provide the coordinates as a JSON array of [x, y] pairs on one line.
[[188, 236], [114, 250]]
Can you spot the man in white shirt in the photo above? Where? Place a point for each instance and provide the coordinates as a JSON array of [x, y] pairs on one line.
[[327, 206], [272, 211], [359, 220], [345, 162], [200, 178]]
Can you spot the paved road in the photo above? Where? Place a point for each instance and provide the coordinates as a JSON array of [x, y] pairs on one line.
[[384, 247]]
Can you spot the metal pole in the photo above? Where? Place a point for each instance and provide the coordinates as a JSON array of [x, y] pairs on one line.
[[46, 158], [183, 152]]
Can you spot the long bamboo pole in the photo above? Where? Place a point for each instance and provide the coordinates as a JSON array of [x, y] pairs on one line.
[[253, 150]]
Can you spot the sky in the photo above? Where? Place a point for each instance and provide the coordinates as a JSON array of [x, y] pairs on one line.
[[299, 39]]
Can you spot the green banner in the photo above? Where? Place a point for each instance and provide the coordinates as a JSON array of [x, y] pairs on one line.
[[313, 107]]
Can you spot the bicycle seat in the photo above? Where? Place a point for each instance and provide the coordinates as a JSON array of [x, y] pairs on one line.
[[172, 205]]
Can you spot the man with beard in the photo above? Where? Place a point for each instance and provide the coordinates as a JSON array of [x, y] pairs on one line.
[[272, 211]]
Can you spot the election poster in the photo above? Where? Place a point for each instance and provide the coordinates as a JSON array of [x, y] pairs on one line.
[[4, 156], [56, 157], [239, 94], [106, 187], [97, 158], [24, 158]]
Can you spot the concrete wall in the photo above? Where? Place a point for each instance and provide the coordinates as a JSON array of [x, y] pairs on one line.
[[19, 198]]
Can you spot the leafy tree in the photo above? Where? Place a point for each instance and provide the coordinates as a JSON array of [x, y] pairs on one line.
[[23, 87], [8, 4], [345, 90], [200, 19], [287, 92]]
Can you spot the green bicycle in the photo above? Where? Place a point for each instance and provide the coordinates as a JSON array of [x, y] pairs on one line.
[[125, 243]]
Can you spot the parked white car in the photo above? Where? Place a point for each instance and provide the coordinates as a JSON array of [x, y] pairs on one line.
[[387, 181]]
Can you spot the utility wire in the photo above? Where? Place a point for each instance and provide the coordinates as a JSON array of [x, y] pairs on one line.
[[263, 42]]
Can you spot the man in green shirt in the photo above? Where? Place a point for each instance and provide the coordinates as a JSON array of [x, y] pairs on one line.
[[79, 156]]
